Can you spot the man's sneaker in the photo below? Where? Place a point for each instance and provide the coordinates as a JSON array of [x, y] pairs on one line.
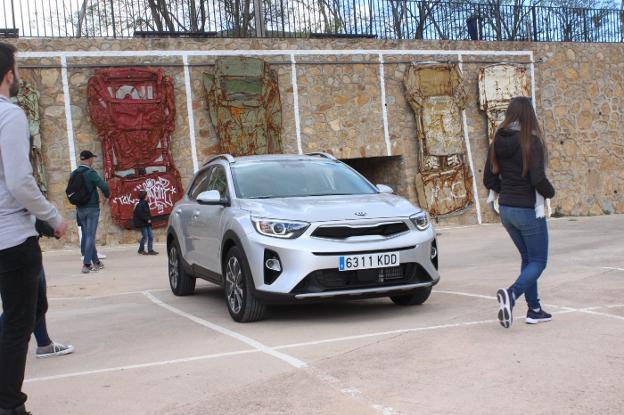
[[152, 252], [88, 268], [505, 305], [54, 349], [141, 252], [98, 266], [534, 317]]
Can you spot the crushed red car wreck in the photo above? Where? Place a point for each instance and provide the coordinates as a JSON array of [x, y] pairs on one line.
[[133, 111]]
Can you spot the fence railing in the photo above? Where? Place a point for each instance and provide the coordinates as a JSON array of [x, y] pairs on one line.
[[381, 19]]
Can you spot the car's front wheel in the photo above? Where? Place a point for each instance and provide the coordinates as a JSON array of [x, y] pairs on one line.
[[180, 281], [416, 297], [241, 303]]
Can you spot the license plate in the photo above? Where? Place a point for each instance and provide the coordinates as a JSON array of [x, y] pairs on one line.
[[368, 261]]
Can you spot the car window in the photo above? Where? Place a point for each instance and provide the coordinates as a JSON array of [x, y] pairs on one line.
[[218, 181], [274, 179], [200, 184]]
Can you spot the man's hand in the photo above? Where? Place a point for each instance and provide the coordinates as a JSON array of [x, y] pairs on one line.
[[60, 230]]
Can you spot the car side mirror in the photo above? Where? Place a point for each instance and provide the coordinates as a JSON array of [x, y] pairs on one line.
[[211, 197], [384, 189]]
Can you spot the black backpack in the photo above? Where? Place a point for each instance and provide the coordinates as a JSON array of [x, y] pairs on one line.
[[76, 189]]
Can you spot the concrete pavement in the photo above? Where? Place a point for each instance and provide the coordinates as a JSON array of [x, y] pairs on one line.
[[141, 350]]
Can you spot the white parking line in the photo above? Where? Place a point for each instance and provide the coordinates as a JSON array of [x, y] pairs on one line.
[[293, 361], [401, 331], [597, 313], [299, 364], [97, 297], [247, 340], [139, 366], [613, 268], [325, 378], [489, 297], [382, 333]]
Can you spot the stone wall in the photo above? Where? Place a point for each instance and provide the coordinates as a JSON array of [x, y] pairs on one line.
[[579, 90]]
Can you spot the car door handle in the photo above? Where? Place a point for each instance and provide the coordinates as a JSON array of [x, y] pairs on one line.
[[196, 213], [178, 211]]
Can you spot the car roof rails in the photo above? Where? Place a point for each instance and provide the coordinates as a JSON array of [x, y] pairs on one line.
[[227, 157], [321, 154]]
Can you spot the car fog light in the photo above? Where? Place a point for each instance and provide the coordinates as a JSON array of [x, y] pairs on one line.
[[434, 252], [273, 264]]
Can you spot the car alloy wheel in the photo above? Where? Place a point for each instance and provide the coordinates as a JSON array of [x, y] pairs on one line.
[[239, 288], [174, 272], [180, 281], [234, 285]]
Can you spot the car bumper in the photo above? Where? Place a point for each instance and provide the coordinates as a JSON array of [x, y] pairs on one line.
[[305, 257]]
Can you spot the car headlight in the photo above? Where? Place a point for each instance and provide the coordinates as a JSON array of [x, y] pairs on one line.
[[420, 220], [280, 228]]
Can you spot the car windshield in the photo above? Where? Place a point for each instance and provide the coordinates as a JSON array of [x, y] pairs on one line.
[[296, 178]]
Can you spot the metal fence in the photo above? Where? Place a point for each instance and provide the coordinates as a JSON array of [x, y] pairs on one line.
[[381, 19]]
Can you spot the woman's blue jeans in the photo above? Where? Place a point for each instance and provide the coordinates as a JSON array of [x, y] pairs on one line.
[[530, 235]]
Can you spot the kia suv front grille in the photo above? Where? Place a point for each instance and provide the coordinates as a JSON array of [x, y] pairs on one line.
[[347, 231]]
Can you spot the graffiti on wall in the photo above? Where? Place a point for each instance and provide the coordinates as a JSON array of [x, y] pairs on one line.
[[244, 106], [133, 111], [28, 100], [436, 95], [498, 84]]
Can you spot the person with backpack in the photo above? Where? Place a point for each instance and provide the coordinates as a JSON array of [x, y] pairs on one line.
[[82, 192], [142, 219], [515, 168], [21, 202]]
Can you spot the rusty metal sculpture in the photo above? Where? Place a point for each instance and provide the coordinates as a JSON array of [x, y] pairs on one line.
[[133, 111], [498, 84], [28, 100], [244, 105], [436, 94]]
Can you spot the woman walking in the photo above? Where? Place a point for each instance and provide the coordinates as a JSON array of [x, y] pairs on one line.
[[515, 169]]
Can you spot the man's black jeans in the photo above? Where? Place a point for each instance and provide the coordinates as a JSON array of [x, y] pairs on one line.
[[19, 285]]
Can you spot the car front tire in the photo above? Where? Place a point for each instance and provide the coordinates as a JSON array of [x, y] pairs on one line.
[[239, 287], [180, 281], [416, 297]]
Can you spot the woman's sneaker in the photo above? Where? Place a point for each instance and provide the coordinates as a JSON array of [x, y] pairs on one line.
[[88, 268], [54, 349], [505, 305], [534, 317]]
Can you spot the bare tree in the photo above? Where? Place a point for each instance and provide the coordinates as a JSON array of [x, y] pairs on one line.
[[568, 20]]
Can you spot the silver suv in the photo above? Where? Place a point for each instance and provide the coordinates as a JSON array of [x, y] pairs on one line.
[[289, 228]]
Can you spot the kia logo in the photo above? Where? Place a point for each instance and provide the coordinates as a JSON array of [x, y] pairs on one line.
[[360, 213]]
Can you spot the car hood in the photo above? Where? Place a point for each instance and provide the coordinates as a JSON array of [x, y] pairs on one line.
[[330, 208]]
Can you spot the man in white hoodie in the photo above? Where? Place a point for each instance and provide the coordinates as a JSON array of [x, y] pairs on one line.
[[21, 202]]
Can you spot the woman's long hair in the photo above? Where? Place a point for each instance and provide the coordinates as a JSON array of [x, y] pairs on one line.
[[520, 112]]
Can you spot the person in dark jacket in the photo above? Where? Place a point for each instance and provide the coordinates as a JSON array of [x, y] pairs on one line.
[[89, 213], [142, 219], [515, 168]]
